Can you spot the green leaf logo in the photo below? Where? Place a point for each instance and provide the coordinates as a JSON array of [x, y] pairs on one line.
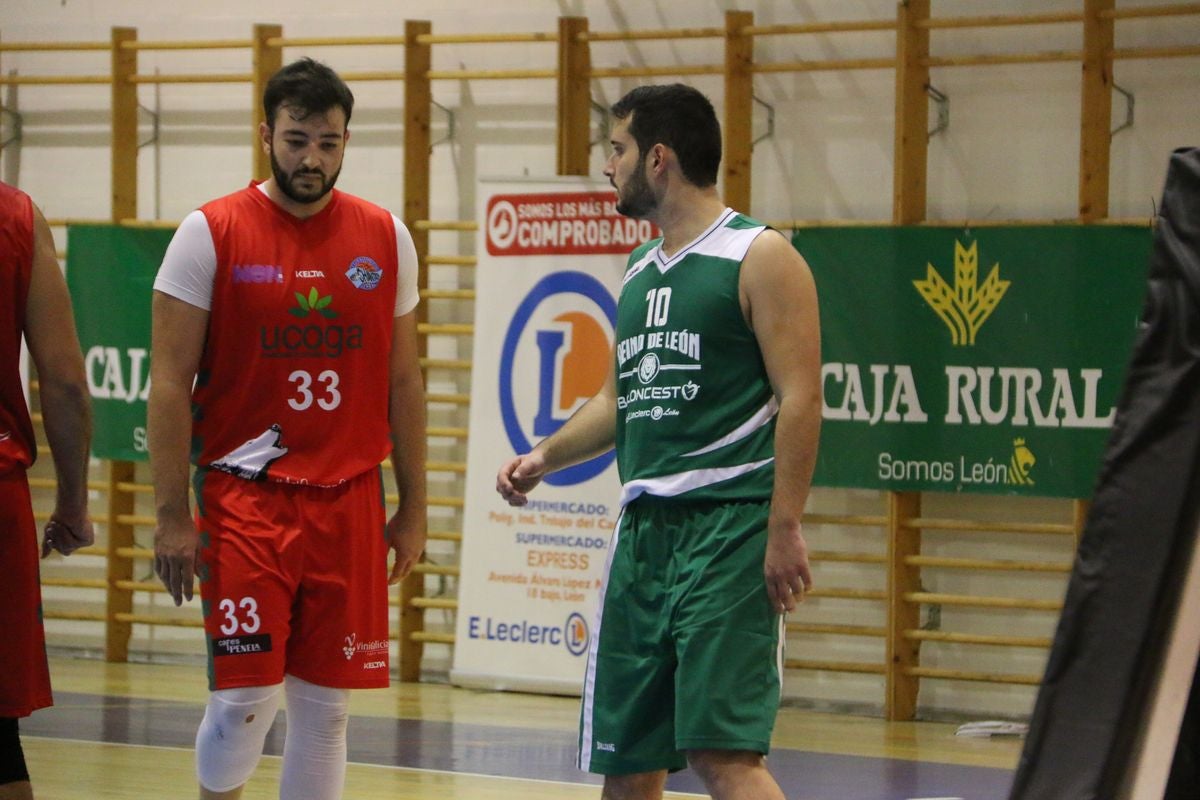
[[313, 302], [967, 305]]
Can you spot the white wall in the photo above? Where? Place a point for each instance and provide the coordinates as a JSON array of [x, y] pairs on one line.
[[1011, 151]]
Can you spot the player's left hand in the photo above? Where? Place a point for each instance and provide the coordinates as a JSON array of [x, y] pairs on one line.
[[786, 567], [406, 534]]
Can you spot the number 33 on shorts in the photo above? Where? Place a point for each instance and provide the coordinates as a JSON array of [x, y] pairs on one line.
[[242, 615]]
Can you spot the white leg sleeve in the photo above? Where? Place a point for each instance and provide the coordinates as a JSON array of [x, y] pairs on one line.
[[314, 751], [230, 740]]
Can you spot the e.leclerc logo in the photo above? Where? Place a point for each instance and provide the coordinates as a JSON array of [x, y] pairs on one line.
[[558, 343], [574, 633]]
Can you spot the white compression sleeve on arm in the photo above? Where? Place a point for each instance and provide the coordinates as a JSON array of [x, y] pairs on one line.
[[314, 752], [230, 740]]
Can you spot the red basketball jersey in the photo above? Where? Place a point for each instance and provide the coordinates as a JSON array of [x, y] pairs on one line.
[[16, 266], [294, 378]]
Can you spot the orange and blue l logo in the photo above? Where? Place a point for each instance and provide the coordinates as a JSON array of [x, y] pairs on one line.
[[575, 634], [562, 328]]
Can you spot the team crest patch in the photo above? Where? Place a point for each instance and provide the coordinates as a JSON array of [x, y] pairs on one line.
[[364, 273]]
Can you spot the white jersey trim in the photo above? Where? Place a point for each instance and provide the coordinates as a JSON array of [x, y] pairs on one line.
[[679, 482], [730, 243], [780, 649], [189, 266], [700, 245], [587, 717], [760, 418], [645, 261]]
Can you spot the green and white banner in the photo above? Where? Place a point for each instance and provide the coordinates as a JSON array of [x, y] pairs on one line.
[[110, 272], [986, 360]]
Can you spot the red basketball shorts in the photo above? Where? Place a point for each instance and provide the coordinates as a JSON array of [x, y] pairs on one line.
[[293, 581], [24, 673]]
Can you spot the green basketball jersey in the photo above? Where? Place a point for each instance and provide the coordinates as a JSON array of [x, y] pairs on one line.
[[695, 410]]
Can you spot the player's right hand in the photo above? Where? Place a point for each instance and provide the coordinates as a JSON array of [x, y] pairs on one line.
[[175, 546], [518, 477], [67, 534]]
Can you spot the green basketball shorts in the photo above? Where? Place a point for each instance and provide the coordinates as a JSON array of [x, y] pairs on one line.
[[687, 651]]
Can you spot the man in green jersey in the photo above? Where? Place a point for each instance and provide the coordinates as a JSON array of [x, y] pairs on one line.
[[713, 402]]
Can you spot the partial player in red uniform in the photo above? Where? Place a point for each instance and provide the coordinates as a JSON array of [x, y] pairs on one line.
[[34, 303], [285, 364]]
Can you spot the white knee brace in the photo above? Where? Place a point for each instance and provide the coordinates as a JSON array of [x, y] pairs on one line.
[[230, 740], [314, 752]]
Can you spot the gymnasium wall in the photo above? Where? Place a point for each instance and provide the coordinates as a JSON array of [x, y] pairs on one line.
[[1010, 151]]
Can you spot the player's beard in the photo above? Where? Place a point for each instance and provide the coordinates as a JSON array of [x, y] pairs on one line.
[[287, 185], [636, 199]]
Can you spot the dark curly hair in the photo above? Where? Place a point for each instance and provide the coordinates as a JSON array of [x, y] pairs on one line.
[[680, 117], [309, 87]]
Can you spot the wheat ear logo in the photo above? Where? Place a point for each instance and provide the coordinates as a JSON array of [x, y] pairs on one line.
[[1021, 464], [967, 306], [313, 302]]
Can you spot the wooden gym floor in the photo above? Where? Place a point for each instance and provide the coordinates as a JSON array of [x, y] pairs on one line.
[[123, 731]]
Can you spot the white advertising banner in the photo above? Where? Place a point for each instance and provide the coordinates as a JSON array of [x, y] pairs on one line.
[[551, 255]]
